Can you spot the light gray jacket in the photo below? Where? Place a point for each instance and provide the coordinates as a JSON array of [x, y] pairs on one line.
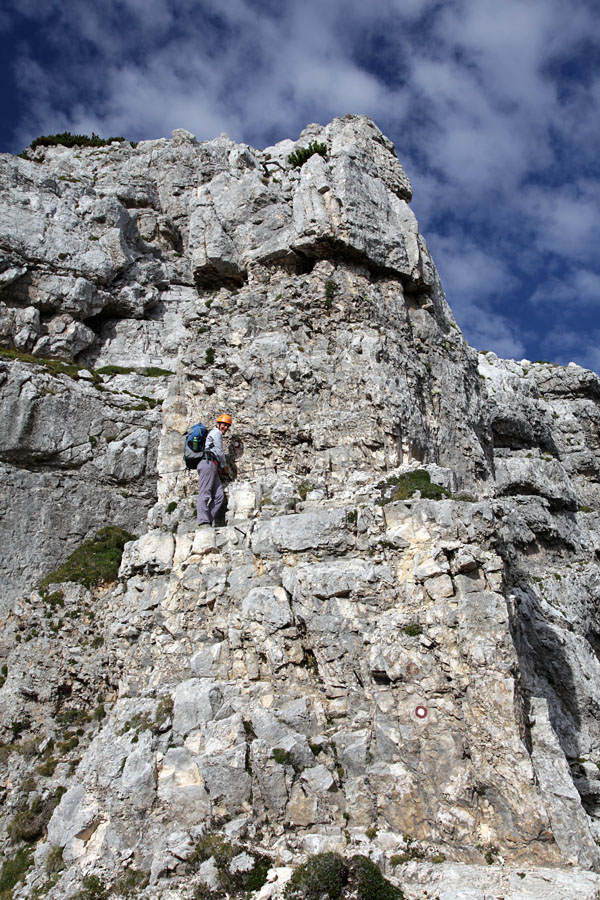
[[214, 445]]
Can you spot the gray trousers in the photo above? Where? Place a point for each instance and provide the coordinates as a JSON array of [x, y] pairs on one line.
[[210, 492]]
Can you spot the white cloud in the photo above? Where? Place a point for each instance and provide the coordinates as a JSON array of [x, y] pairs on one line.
[[475, 284], [574, 289]]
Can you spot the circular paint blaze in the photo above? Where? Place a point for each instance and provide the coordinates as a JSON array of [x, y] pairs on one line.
[[412, 669], [421, 712]]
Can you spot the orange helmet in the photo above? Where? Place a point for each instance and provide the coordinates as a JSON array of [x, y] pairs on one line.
[[225, 418]]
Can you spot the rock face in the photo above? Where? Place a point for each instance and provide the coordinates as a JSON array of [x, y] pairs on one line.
[[355, 660]]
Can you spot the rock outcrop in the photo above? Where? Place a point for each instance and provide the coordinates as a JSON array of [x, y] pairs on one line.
[[389, 647]]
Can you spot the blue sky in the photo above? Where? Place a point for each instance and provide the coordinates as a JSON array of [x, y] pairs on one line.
[[493, 105]]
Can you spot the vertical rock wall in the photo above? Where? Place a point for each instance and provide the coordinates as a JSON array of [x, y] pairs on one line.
[[342, 665]]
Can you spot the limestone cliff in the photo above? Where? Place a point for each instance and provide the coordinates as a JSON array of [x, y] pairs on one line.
[[357, 660]]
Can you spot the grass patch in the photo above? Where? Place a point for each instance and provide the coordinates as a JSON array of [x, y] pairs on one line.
[[155, 372], [53, 366], [93, 889], [54, 861], [138, 723], [413, 629], [130, 883], [147, 371], [95, 562], [72, 718], [13, 871], [115, 370], [398, 859], [47, 767]]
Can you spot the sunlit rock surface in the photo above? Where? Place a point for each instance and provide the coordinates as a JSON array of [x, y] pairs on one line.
[[344, 664]]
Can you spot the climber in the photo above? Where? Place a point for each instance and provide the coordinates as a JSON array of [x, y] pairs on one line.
[[211, 466]]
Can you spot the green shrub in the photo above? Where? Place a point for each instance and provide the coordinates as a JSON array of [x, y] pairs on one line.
[[138, 723], [398, 859], [131, 882], [95, 562], [5, 752], [299, 157], [28, 784], [19, 727], [47, 767], [406, 485], [257, 876], [490, 855], [323, 873], [13, 871], [230, 883], [210, 356], [370, 883], [213, 845], [164, 710], [171, 507], [66, 139], [251, 734], [69, 744], [304, 488], [30, 823], [71, 718], [56, 598], [93, 889], [330, 291], [54, 861], [281, 756], [413, 629], [330, 875]]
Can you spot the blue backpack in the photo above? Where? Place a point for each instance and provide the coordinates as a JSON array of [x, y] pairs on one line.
[[193, 448]]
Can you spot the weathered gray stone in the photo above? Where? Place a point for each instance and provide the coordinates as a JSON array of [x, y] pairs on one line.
[[328, 659]]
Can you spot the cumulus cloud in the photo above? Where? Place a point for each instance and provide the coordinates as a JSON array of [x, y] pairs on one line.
[[492, 106]]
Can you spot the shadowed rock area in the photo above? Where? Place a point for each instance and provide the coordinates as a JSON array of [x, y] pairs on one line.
[[388, 649]]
